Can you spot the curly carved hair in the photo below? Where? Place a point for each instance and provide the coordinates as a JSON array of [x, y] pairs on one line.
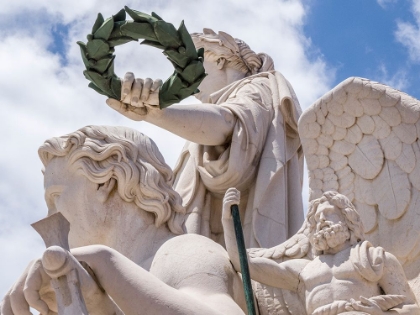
[[353, 221], [128, 156], [236, 52]]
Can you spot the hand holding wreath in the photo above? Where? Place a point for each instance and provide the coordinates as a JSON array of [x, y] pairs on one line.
[[138, 97], [177, 45]]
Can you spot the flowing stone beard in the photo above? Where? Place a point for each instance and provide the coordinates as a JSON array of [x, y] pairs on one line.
[[329, 235]]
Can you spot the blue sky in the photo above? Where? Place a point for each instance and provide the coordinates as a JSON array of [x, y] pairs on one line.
[[315, 43], [360, 38]]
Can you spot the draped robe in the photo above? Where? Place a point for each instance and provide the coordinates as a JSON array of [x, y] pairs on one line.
[[262, 158]]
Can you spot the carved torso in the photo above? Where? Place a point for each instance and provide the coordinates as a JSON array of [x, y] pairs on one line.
[[330, 278]]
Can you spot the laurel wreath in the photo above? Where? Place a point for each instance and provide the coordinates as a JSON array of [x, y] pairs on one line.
[[177, 45]]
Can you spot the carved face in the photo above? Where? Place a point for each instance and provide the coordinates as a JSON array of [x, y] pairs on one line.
[[215, 79], [71, 193], [331, 230]]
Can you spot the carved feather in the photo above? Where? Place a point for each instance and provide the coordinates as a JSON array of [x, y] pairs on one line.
[[392, 191]]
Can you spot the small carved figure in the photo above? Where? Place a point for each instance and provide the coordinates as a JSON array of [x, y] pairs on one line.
[[346, 273], [113, 186], [243, 135]]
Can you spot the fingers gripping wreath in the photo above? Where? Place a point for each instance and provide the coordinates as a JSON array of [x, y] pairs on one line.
[[177, 45]]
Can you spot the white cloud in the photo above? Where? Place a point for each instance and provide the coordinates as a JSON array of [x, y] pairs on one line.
[[397, 80], [41, 97], [408, 33], [385, 3]]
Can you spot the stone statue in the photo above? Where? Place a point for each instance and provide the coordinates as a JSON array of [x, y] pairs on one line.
[[243, 135], [361, 139], [347, 273], [113, 186]]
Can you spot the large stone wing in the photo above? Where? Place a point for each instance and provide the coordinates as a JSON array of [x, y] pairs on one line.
[[362, 140]]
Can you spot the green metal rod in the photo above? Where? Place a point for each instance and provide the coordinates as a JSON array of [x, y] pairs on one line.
[[246, 279]]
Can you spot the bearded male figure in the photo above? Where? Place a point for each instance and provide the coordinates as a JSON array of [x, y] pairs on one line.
[[244, 135], [347, 273], [113, 186]]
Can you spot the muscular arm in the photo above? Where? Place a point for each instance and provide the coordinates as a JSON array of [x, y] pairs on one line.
[[284, 275], [137, 291]]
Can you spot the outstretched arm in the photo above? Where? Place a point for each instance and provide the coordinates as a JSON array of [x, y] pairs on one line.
[[205, 124], [138, 291], [284, 275]]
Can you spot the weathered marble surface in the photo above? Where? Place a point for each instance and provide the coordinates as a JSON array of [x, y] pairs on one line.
[[362, 140], [244, 135], [113, 186], [345, 272]]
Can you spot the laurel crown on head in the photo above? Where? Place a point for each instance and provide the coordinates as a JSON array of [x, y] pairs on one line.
[[235, 51]]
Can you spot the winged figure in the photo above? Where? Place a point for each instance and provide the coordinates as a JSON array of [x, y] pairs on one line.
[[361, 139]]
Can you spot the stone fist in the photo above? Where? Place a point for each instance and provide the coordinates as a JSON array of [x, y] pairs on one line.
[[232, 197], [34, 290], [138, 96]]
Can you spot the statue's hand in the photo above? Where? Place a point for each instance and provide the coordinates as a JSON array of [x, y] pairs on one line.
[[365, 305], [32, 289], [138, 97], [232, 197]]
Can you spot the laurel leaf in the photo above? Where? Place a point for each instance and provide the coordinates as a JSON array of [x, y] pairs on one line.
[[120, 16], [120, 41], [99, 21], [99, 81], [188, 42], [140, 16], [156, 16], [116, 87], [83, 52], [392, 191], [166, 34], [194, 70], [116, 31], [105, 30], [138, 30], [97, 49], [97, 89], [152, 43], [180, 59], [367, 158], [102, 64]]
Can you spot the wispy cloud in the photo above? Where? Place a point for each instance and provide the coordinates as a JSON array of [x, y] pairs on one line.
[[385, 3], [398, 80], [408, 34]]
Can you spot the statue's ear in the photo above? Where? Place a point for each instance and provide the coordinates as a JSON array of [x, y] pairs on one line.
[[221, 63], [105, 189]]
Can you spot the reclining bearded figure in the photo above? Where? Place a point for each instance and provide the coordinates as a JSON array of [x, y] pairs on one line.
[[346, 273], [244, 135]]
